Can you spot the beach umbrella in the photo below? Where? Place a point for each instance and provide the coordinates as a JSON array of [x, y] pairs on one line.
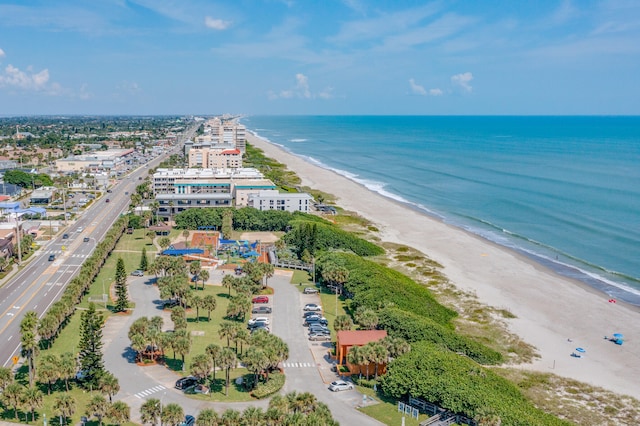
[[618, 335], [581, 350]]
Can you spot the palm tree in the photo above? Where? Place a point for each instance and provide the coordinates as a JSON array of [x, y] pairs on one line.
[[255, 361], [108, 384], [182, 345], [268, 271], [204, 276], [367, 354], [195, 267], [98, 406], [380, 355], [366, 318], [207, 417], [201, 366], [252, 416], [231, 417], [29, 341], [355, 356], [214, 352], [49, 370], [396, 346], [196, 302], [150, 411], [228, 330], [242, 337], [227, 362], [342, 322], [12, 396], [67, 367], [228, 281], [151, 235], [65, 406], [119, 412], [32, 399], [209, 302], [6, 377], [172, 414], [185, 234]]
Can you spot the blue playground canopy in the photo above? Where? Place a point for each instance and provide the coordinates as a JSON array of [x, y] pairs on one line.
[[251, 254], [182, 252]]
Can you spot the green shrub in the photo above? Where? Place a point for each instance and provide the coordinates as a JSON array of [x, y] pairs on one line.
[[375, 286], [458, 384], [323, 236], [414, 328], [275, 383]]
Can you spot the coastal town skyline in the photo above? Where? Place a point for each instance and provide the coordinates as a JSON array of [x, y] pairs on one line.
[[339, 57]]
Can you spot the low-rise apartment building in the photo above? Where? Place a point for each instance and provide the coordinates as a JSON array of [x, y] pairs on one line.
[[177, 190], [275, 200]]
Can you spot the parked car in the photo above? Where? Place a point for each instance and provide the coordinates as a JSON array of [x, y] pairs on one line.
[[310, 290], [321, 321], [258, 324], [252, 321], [312, 307], [186, 382], [188, 420], [340, 385], [319, 328], [320, 337], [263, 328], [138, 273], [308, 314], [260, 299], [261, 310]]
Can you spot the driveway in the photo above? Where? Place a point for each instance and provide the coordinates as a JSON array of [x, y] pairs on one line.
[[302, 369]]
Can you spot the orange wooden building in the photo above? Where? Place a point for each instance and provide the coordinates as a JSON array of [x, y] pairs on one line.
[[347, 339]]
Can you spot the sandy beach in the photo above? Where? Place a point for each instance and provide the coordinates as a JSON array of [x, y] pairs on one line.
[[553, 313]]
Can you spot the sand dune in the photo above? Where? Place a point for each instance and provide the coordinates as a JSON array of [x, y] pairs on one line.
[[550, 309]]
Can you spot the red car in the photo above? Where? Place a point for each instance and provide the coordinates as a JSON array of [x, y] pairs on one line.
[[260, 299]]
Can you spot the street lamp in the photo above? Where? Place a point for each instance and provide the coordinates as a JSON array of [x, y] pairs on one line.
[[161, 398]]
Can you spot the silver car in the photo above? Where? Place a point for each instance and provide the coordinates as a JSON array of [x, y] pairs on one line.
[[340, 385]]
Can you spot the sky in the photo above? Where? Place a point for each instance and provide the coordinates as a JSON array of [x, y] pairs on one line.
[[320, 57]]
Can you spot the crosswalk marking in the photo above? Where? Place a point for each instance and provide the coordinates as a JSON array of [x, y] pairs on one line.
[[297, 364], [150, 391]]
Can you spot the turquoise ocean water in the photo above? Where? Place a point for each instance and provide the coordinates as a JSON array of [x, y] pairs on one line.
[[565, 191]]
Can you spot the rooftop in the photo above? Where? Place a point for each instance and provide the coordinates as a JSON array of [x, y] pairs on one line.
[[360, 337]]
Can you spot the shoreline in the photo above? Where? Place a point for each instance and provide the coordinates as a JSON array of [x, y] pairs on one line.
[[550, 309]]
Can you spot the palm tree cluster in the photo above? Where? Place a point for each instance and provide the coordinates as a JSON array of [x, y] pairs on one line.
[[264, 355], [60, 312], [16, 397], [300, 409], [148, 339], [377, 353]]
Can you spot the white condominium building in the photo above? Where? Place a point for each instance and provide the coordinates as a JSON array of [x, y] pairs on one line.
[[179, 189], [215, 158], [275, 200]]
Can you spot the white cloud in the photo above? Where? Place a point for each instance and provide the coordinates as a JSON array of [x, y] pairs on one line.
[[216, 24], [2, 54], [462, 81], [26, 80], [436, 92], [416, 88], [301, 90], [129, 87]]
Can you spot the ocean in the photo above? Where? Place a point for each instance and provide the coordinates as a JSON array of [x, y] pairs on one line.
[[564, 191]]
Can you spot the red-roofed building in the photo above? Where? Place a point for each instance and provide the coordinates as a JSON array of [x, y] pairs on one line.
[[348, 339], [215, 158]]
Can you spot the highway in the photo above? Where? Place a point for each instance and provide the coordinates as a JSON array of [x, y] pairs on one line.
[[41, 282]]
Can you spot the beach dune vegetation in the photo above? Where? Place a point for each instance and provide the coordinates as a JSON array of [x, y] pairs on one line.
[[461, 385], [374, 286]]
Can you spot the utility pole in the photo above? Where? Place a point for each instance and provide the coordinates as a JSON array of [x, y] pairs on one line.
[[18, 239]]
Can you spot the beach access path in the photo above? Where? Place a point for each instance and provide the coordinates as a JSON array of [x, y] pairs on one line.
[[550, 310]]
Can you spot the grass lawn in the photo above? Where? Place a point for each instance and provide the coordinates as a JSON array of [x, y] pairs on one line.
[[386, 410], [236, 392]]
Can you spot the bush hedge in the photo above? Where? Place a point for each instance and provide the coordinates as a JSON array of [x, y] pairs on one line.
[[458, 384], [323, 236], [415, 328], [275, 383], [374, 286]]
